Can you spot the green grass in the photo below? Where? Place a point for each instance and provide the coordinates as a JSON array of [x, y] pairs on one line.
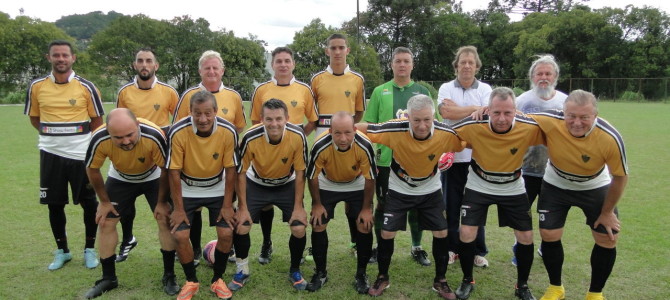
[[641, 271]]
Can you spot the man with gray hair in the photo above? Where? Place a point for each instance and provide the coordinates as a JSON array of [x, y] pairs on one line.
[[498, 142], [414, 183], [543, 76]]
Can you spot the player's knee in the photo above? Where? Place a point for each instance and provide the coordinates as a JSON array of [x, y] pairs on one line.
[[603, 240], [524, 237], [319, 228], [440, 234], [387, 235], [468, 234], [551, 235], [362, 228], [182, 236], [298, 231]]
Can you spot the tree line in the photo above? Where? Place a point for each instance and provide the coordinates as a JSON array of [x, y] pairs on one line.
[[630, 42]]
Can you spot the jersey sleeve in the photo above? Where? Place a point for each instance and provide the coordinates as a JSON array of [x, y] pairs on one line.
[[176, 154], [360, 99], [95, 155], [182, 109], [95, 108], [377, 136], [32, 102], [256, 105], [240, 119], [300, 154], [311, 112], [230, 155]]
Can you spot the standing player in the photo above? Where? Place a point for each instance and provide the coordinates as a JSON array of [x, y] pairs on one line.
[[299, 100], [543, 75], [341, 168], [230, 108], [417, 144], [338, 88], [153, 100], [498, 144], [583, 151], [459, 98], [64, 108], [202, 146], [137, 150], [389, 101], [274, 157]]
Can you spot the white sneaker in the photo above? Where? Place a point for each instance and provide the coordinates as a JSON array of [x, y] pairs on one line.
[[481, 261], [452, 257]]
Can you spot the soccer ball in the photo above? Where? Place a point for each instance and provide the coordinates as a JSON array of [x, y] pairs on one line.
[[208, 252]]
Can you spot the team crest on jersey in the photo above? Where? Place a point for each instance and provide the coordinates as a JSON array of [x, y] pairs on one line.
[[157, 106], [215, 155], [141, 159], [294, 103], [401, 114], [224, 111], [72, 102], [347, 93], [513, 150], [354, 167], [585, 158], [284, 160], [431, 157]]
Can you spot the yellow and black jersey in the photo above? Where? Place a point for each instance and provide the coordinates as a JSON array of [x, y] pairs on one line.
[[272, 164], [338, 92], [155, 104], [202, 160], [140, 164], [581, 163], [64, 110], [228, 101], [296, 95], [414, 162], [342, 170], [496, 162]]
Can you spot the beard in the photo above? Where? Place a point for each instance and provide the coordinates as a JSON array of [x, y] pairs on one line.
[[544, 93], [145, 77]]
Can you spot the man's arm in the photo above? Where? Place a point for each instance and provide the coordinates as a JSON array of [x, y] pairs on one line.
[[362, 127], [318, 211], [162, 209], [607, 217], [178, 213], [299, 214], [35, 121], [96, 122], [227, 212], [98, 184], [452, 111], [358, 116], [309, 127]]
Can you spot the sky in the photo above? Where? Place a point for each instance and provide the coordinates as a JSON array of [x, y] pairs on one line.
[[274, 21]]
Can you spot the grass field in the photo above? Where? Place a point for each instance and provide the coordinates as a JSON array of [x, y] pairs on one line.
[[642, 270]]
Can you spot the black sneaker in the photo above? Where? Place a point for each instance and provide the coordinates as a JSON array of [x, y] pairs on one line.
[[101, 286], [318, 280], [361, 284], [463, 291], [125, 248], [373, 256], [442, 288], [170, 285], [379, 286], [523, 292], [266, 253], [420, 256], [197, 254]]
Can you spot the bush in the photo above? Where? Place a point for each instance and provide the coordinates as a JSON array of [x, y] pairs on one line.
[[431, 89], [518, 91], [14, 98], [632, 96]]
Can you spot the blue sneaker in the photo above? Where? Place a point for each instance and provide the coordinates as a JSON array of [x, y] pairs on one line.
[[91, 258], [513, 254], [60, 258], [298, 282], [239, 279]]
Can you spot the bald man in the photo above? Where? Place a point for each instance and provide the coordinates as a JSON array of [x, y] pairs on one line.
[[137, 149]]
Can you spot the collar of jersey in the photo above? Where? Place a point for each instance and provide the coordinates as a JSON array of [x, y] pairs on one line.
[[474, 85], [274, 80], [330, 70], [595, 122], [195, 128], [53, 78], [411, 83], [267, 137], [202, 87], [152, 84]]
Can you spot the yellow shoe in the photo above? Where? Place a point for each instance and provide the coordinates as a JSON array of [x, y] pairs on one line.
[[188, 290], [221, 289], [594, 296], [554, 292]]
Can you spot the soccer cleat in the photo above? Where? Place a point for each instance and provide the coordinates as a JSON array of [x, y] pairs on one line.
[[554, 292], [101, 286], [420, 256], [125, 248], [60, 258], [238, 282], [373, 256], [379, 286], [361, 284], [452, 257], [319, 279], [594, 296], [232, 257], [91, 258], [481, 261], [197, 254], [463, 291], [221, 289], [188, 290], [442, 288], [266, 254], [298, 282], [309, 256], [523, 292], [170, 285]]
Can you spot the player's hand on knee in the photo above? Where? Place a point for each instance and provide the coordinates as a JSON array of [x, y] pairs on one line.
[[317, 215], [298, 215], [228, 216], [366, 219], [162, 210], [611, 223], [242, 218], [176, 218], [104, 208]]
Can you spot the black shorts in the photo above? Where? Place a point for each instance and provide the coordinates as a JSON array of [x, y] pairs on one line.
[[260, 196], [56, 172], [432, 213], [533, 186], [513, 211], [213, 205], [329, 200], [555, 202], [123, 195]]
